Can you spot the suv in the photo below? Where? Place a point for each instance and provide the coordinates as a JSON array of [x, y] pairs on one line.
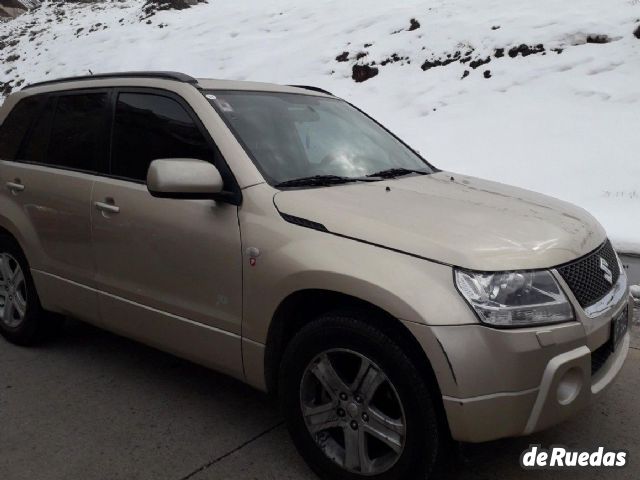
[[280, 235]]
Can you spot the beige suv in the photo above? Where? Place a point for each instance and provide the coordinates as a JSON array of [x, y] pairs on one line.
[[280, 235]]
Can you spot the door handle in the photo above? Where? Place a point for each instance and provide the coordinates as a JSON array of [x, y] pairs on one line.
[[15, 187], [107, 207]]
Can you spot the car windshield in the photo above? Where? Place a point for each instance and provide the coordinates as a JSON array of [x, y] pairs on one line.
[[293, 137]]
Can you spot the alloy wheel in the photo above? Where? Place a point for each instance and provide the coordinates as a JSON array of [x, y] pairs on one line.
[[13, 291], [353, 412]]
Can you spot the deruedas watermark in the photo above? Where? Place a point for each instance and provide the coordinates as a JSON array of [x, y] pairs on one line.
[[537, 457]]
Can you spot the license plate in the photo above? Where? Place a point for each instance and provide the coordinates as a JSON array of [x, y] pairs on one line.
[[619, 326]]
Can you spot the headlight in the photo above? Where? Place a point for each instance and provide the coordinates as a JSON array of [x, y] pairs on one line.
[[515, 299]]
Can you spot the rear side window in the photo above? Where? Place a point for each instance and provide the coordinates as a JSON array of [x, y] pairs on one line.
[[79, 133], [35, 150], [16, 125], [148, 127]]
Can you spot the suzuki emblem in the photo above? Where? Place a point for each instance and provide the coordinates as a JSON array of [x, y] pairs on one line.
[[604, 266]]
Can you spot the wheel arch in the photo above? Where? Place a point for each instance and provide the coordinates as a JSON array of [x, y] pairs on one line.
[[21, 236], [5, 232], [292, 314]]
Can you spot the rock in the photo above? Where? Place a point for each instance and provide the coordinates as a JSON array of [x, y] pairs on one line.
[[439, 62], [343, 57], [525, 50], [5, 88], [414, 24], [151, 7], [393, 59], [594, 38], [362, 73], [636, 32], [479, 62]]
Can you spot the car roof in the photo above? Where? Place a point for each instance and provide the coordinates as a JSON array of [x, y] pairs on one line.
[[137, 79]]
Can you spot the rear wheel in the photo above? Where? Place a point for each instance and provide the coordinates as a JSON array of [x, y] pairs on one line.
[[355, 404], [22, 319]]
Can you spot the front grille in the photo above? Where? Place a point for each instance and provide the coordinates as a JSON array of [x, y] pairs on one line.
[[586, 277], [600, 356]]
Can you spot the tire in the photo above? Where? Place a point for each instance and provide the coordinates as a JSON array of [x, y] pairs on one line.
[[22, 319], [411, 430]]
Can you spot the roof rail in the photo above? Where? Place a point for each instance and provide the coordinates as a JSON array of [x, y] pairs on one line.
[[177, 76], [313, 89]]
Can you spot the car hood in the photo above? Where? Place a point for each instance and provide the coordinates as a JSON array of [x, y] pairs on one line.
[[453, 219]]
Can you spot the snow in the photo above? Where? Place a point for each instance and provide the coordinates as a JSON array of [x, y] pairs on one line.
[[565, 124]]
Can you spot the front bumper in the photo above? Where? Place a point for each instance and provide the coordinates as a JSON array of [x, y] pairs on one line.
[[506, 383]]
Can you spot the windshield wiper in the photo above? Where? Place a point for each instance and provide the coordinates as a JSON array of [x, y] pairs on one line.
[[396, 172], [321, 180]]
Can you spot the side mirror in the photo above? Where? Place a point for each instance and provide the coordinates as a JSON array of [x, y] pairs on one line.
[[183, 178]]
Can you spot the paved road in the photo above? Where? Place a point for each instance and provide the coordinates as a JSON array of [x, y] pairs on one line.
[[92, 405]]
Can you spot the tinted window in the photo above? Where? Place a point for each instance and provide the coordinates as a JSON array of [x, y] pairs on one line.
[[79, 133], [148, 127], [35, 150], [15, 126]]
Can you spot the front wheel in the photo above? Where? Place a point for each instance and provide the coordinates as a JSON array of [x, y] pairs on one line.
[[356, 406]]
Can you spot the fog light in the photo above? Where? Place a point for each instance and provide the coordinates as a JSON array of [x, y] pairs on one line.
[[569, 386]]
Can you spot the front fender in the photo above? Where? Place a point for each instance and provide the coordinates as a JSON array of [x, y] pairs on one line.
[[293, 258]]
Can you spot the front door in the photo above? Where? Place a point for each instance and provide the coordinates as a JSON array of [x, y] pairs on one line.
[[168, 271]]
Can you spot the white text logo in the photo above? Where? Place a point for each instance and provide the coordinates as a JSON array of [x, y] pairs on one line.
[[559, 457]]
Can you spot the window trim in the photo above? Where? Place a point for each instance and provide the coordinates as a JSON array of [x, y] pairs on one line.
[[232, 193]]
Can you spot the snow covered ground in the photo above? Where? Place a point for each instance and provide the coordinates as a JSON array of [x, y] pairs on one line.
[[564, 120]]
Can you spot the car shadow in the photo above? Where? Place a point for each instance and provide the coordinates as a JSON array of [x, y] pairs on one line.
[[122, 354]]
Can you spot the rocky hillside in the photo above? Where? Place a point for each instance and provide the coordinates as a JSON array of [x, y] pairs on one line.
[[15, 8], [540, 94], [12, 8]]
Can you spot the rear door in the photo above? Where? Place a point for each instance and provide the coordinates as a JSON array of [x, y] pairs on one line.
[[47, 193], [168, 270]]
